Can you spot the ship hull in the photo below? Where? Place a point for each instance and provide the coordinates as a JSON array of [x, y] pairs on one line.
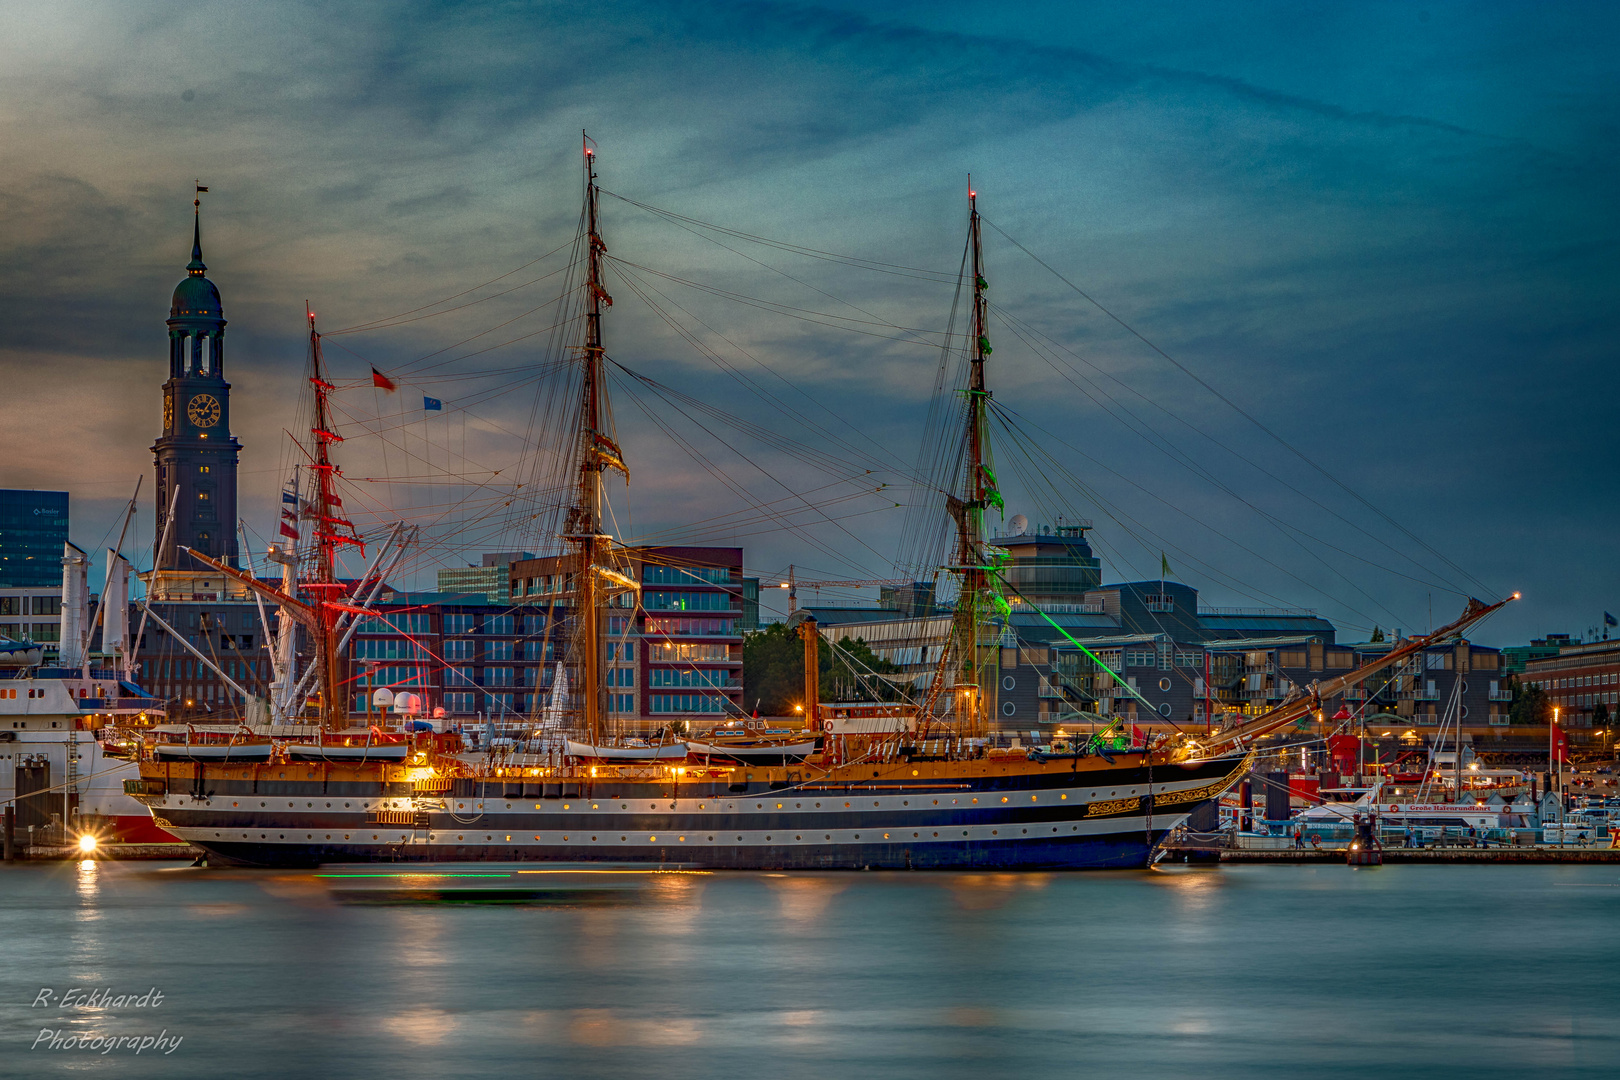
[[1048, 819]]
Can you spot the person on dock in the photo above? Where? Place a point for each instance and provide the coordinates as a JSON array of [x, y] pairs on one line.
[[1299, 838]]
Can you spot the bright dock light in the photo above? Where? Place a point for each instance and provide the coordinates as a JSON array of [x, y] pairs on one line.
[[87, 844]]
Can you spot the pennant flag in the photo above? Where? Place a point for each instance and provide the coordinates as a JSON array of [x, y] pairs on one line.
[[382, 382], [200, 188], [432, 404], [1610, 620], [1164, 566], [289, 530], [289, 498], [1560, 743]]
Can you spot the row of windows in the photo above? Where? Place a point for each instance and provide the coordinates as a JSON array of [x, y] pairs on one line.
[[690, 703], [622, 703], [710, 677], [398, 676], [679, 651], [399, 622], [622, 676], [37, 632], [685, 575], [659, 600], [388, 649], [674, 627], [465, 704], [1586, 701], [30, 605], [1582, 680]]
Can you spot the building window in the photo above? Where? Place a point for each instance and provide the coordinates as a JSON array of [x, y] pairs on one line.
[[659, 600], [692, 703], [461, 624], [686, 575], [677, 651], [498, 624], [622, 703], [498, 650], [459, 704], [459, 649], [497, 676]]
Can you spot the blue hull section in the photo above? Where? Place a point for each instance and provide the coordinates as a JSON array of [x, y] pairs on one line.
[[1105, 852]]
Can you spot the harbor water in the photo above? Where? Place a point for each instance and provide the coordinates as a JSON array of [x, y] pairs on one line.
[[1231, 971]]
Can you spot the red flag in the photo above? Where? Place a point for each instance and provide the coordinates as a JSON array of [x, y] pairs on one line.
[[1560, 743], [1137, 737], [381, 381], [288, 530]]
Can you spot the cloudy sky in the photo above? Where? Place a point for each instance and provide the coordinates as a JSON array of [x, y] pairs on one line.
[[1352, 346]]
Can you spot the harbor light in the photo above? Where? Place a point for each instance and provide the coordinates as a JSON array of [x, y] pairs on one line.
[[87, 844]]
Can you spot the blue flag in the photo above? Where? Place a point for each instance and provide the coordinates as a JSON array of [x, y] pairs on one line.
[[432, 404], [289, 498], [1610, 620]]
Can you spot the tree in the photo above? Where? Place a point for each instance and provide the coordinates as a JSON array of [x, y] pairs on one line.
[[773, 671], [1378, 634], [1531, 707], [1600, 716]]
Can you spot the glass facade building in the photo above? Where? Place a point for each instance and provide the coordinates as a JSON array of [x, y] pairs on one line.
[[33, 528]]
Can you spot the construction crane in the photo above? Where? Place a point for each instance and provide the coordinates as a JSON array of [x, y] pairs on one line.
[[793, 582]]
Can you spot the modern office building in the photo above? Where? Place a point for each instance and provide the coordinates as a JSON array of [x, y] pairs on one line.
[[491, 579], [1578, 679], [33, 528], [677, 655]]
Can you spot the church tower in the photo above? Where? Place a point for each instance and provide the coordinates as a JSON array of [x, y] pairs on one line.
[[196, 455]]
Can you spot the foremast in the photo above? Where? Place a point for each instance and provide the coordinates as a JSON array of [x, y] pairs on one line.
[[598, 452], [332, 531]]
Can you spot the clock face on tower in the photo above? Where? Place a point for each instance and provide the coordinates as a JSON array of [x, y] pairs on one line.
[[203, 410]]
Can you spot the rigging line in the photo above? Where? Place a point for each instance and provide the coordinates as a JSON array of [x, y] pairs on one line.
[[790, 277], [719, 524], [779, 527], [463, 356], [924, 531], [833, 322], [806, 452], [361, 422], [707, 465], [1003, 413], [1015, 322], [1287, 531], [655, 388], [1240, 411], [1126, 523], [871, 264], [814, 428], [358, 327], [463, 307]]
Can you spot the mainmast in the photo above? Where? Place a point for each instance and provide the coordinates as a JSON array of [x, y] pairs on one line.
[[598, 452], [326, 508], [978, 488]]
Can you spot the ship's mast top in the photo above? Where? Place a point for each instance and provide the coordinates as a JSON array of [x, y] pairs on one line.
[[597, 453], [332, 531], [974, 683]]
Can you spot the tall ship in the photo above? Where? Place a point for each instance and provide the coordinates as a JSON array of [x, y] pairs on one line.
[[907, 784]]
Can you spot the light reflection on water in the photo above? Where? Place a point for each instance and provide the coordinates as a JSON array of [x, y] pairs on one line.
[[1251, 971]]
